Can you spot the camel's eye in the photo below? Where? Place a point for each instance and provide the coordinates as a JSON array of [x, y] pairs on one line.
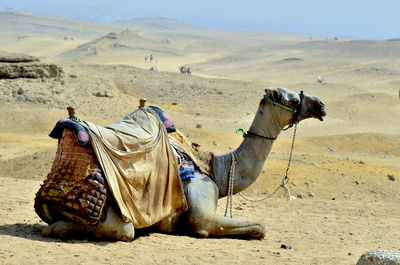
[[294, 102]]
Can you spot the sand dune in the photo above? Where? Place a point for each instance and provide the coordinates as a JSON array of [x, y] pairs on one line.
[[352, 156], [114, 45]]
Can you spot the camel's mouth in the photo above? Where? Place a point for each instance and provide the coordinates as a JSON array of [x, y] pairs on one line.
[[318, 113]]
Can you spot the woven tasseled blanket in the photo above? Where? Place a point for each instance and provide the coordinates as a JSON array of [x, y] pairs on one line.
[[74, 185], [184, 145]]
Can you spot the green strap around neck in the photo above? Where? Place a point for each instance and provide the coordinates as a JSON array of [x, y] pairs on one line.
[[249, 133]]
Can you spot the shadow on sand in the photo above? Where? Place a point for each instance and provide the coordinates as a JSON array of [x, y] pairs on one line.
[[34, 232]]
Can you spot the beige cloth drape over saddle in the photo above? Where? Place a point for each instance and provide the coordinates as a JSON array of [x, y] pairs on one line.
[[139, 166]]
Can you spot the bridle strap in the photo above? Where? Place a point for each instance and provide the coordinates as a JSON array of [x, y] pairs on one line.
[[279, 104], [296, 113]]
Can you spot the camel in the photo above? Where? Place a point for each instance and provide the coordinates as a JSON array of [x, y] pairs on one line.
[[185, 70], [278, 108]]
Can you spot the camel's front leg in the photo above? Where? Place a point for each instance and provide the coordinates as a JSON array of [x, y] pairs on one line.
[[202, 196], [226, 226]]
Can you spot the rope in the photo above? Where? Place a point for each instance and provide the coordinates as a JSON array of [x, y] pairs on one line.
[[261, 199], [230, 186], [285, 179]]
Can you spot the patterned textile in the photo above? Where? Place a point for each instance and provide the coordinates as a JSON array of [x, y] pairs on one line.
[[165, 119], [80, 133], [182, 144], [186, 166], [75, 184]]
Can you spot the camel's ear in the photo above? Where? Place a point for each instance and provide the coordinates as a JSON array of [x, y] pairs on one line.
[[274, 94]]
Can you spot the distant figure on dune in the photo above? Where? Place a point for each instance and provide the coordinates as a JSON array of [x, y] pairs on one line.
[[320, 80], [146, 57], [151, 57], [153, 68], [185, 70]]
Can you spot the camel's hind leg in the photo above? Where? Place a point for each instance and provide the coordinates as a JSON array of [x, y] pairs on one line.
[[202, 196], [64, 229], [112, 228]]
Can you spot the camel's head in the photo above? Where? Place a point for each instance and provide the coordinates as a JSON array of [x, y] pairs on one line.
[[304, 106]]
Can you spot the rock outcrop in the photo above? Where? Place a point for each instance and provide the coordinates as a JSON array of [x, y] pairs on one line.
[[17, 58], [379, 257], [26, 66]]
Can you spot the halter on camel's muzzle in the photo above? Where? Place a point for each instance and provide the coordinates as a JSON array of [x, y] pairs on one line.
[[296, 113]]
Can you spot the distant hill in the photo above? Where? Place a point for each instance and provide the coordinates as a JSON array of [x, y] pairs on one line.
[[124, 43], [18, 23], [210, 52], [159, 24]]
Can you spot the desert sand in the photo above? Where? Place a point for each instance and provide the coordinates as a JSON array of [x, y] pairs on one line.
[[345, 171]]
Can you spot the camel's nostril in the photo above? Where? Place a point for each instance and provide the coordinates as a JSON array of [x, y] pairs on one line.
[[321, 104]]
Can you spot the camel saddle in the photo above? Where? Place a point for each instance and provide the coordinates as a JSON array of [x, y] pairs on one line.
[[132, 160], [75, 185]]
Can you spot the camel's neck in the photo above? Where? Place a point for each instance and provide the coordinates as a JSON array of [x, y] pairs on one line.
[[250, 156]]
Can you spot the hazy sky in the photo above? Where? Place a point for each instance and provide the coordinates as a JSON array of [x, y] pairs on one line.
[[354, 18]]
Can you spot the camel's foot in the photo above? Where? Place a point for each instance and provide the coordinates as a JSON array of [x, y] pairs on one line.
[[64, 229], [253, 230], [257, 231], [202, 233], [113, 228], [123, 231]]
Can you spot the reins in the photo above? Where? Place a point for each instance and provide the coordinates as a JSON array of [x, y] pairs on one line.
[[295, 112], [285, 179]]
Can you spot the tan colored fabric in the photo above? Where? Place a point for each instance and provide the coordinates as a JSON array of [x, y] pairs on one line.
[[139, 166]]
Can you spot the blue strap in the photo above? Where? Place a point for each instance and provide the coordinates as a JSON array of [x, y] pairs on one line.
[[186, 173]]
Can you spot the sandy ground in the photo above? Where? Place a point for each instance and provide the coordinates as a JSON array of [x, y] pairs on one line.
[[319, 232], [345, 171]]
